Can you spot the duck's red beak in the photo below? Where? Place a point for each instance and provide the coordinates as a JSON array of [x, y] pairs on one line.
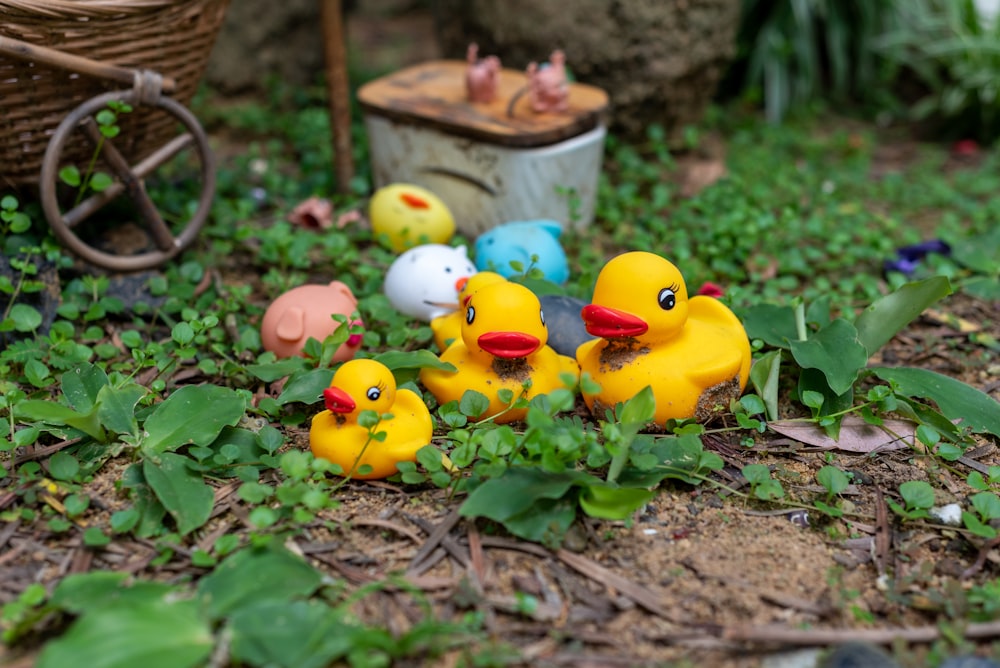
[[338, 401], [508, 344], [610, 323]]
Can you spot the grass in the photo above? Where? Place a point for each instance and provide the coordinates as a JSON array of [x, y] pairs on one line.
[[160, 391]]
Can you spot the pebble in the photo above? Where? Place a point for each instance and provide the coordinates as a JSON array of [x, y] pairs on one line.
[[858, 655], [566, 328], [950, 514], [969, 662]]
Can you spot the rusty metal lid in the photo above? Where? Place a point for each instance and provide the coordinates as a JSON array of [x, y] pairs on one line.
[[433, 94]]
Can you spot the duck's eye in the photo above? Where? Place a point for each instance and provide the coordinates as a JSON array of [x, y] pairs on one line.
[[667, 299], [373, 393], [470, 314], [541, 314], [447, 270]]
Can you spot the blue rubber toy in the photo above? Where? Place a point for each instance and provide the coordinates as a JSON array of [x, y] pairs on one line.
[[517, 242]]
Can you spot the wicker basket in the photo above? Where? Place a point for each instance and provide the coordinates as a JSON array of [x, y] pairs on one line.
[[170, 37]]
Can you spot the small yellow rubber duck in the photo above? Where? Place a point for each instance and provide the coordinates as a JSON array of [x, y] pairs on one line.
[[335, 435], [448, 328], [694, 353], [502, 345], [404, 215]]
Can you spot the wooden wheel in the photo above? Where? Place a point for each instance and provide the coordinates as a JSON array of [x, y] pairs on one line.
[[167, 239]]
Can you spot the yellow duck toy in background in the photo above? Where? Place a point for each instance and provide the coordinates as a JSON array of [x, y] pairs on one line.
[[448, 328], [404, 215], [335, 435], [694, 353], [502, 345]]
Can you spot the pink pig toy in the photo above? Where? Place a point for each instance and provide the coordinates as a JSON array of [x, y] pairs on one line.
[[305, 312], [548, 89], [482, 76]]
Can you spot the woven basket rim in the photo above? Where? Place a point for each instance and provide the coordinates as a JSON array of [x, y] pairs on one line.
[[84, 8]]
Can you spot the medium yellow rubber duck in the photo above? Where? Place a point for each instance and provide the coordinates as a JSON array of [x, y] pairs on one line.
[[335, 435], [502, 345], [694, 353], [448, 328]]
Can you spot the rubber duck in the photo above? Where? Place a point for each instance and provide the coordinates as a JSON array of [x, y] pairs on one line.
[[335, 435], [448, 328], [404, 215], [694, 353], [502, 345], [424, 281], [305, 312], [518, 241]]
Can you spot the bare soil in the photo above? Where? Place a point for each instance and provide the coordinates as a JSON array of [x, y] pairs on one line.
[[694, 576]]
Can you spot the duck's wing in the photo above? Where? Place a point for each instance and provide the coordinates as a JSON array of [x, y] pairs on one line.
[[723, 344]]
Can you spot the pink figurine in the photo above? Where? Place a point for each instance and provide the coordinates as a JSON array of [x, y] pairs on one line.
[[304, 312], [548, 89], [482, 76]]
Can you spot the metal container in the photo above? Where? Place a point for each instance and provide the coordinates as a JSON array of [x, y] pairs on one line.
[[493, 162]]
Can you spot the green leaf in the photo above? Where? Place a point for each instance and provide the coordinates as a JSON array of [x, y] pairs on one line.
[[82, 592], [957, 401], [917, 494], [275, 370], [255, 575], [833, 479], [887, 316], [639, 409], [181, 491], [193, 414], [100, 181], [26, 318], [987, 505], [70, 175], [612, 503], [82, 384], [973, 524], [756, 473], [63, 466], [515, 491], [546, 522], [116, 407], [53, 413], [978, 252], [306, 387], [764, 376], [473, 403], [399, 360], [986, 288], [165, 633], [94, 537], [835, 351], [775, 325], [297, 634]]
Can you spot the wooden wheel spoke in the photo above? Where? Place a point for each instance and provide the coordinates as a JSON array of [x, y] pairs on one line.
[[133, 185]]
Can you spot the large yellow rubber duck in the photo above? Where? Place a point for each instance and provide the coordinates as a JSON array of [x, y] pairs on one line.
[[694, 353], [335, 434], [448, 328], [502, 345]]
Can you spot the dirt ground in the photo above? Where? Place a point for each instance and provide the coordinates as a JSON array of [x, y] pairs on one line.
[[694, 577]]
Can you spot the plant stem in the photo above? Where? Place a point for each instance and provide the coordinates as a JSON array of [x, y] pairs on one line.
[[800, 320]]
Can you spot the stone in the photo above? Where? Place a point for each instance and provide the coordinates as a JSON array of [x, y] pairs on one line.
[[660, 61]]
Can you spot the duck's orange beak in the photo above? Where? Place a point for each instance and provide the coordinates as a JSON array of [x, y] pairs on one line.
[[338, 401], [508, 344], [610, 323]]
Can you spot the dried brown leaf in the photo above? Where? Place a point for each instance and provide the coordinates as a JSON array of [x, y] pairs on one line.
[[856, 435]]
